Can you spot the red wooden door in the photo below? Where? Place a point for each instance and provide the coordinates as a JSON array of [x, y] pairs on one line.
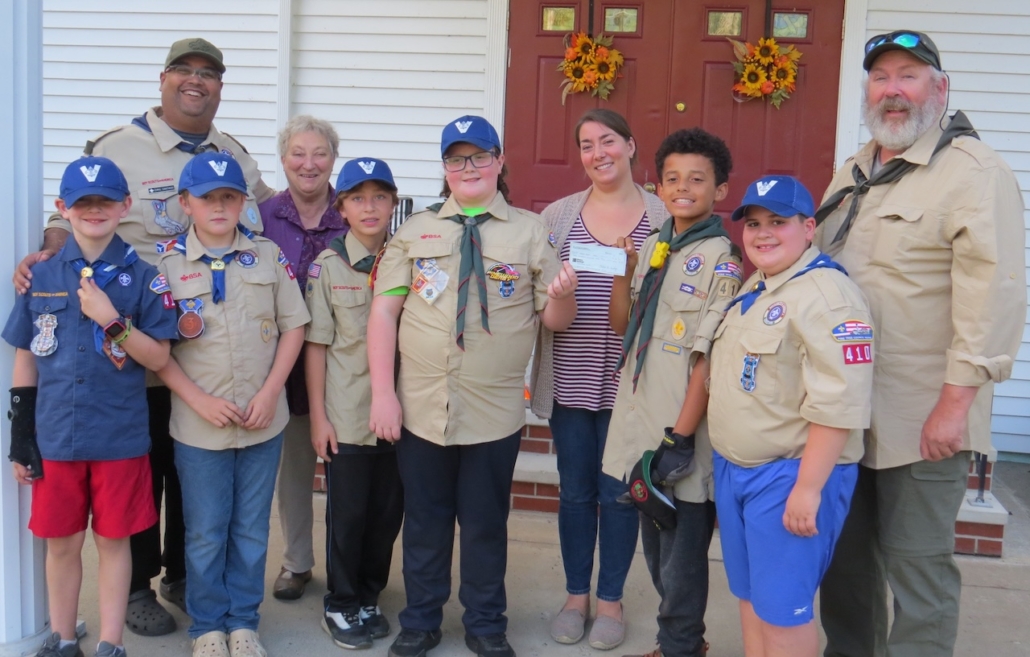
[[677, 75]]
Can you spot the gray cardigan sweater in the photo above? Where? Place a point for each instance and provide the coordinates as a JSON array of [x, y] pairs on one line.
[[560, 217]]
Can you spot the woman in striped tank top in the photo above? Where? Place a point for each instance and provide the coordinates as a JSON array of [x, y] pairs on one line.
[[574, 381]]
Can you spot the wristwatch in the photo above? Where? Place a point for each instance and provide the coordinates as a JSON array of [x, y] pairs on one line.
[[115, 328]]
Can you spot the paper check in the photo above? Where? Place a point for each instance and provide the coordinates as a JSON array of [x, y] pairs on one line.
[[608, 260]]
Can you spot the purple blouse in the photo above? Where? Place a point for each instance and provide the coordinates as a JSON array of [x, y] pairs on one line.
[[301, 246]]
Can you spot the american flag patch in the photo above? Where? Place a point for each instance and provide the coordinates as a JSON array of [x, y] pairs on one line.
[[314, 270]]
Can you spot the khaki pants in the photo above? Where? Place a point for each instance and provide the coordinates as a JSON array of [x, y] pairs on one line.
[[293, 488], [900, 532]]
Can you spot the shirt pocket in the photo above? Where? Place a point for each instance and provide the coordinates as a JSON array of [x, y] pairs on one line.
[[508, 279], [423, 256], [259, 291], [350, 308], [682, 316], [759, 372], [901, 230], [162, 214]]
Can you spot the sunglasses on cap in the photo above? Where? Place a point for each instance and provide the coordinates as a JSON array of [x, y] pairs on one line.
[[916, 43]]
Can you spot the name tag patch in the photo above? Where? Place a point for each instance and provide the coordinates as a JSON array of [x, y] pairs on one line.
[[672, 348]]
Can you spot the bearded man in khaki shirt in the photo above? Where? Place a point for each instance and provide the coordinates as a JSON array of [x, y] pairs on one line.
[[928, 221]]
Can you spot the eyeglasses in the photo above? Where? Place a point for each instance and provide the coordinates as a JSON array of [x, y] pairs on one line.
[[903, 39], [205, 74], [480, 160]]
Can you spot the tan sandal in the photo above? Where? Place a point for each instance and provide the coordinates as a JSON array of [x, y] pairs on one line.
[[211, 644], [245, 643]]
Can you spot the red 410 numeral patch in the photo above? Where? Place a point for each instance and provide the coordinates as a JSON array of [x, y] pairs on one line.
[[855, 354]]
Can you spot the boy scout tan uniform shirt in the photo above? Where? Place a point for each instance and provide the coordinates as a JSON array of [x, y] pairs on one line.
[[338, 299], [939, 255], [690, 305], [152, 164], [234, 355], [811, 338], [455, 397]]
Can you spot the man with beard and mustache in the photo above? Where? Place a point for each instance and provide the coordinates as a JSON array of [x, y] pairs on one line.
[[152, 151], [928, 221]]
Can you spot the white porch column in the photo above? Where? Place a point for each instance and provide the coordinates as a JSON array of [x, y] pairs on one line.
[[23, 611]]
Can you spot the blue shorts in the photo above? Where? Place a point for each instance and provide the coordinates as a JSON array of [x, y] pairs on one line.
[[775, 570]]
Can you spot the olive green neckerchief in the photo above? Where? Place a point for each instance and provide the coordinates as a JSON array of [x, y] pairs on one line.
[[641, 319], [364, 265], [471, 263]]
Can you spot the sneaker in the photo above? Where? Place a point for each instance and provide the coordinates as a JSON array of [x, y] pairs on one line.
[[105, 649], [52, 648], [491, 645], [346, 630], [374, 620], [414, 643]]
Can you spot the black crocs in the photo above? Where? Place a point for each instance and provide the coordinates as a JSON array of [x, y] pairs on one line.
[[146, 617]]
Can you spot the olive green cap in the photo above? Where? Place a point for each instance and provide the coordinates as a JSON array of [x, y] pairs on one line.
[[195, 46]]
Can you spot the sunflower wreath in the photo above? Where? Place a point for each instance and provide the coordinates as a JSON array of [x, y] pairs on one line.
[[590, 64], [767, 70]]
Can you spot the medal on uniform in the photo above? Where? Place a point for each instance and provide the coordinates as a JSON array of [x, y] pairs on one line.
[[191, 323], [750, 371], [45, 342], [114, 352], [86, 272]]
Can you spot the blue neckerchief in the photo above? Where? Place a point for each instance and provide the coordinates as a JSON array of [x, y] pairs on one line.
[[184, 146], [746, 300], [104, 273], [218, 293]]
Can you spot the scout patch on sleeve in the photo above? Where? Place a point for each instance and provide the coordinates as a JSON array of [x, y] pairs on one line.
[[729, 269], [853, 330], [159, 285], [857, 354], [314, 270]]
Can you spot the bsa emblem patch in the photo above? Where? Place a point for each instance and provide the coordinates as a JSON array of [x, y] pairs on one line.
[[124, 279], [775, 313], [266, 330], [693, 264], [853, 330], [679, 329], [247, 259], [505, 275]]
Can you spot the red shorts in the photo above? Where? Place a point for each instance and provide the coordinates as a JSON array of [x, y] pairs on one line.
[[119, 494]]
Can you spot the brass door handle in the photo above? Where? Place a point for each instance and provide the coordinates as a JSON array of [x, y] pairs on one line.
[[681, 107]]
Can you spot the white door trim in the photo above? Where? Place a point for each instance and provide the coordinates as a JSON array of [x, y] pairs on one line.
[[849, 92]]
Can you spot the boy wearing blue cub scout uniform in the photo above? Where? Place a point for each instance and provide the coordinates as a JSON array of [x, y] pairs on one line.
[[241, 327], [791, 382], [465, 337], [366, 503], [667, 306], [96, 318]]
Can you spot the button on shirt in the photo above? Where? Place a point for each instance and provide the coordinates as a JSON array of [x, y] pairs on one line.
[[339, 299], [234, 355], [701, 281], [801, 354], [455, 397], [87, 408], [152, 162], [939, 255]]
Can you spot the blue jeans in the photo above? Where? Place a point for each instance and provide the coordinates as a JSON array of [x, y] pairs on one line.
[[226, 502], [579, 437]]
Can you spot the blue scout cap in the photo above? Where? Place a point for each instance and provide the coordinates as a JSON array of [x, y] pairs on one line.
[[211, 170], [474, 130], [782, 195], [93, 175], [358, 170]]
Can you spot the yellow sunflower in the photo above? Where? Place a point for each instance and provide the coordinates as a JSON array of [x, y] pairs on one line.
[[766, 51], [604, 69], [784, 75], [584, 45], [577, 73], [752, 79]]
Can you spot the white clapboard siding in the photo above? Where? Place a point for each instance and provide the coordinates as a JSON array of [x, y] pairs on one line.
[[102, 61], [388, 75], [985, 48]]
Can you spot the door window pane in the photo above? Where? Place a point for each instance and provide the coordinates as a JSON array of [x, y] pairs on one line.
[[790, 26], [620, 19], [725, 23], [559, 19]]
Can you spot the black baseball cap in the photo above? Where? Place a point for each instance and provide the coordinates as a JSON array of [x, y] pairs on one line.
[[915, 43]]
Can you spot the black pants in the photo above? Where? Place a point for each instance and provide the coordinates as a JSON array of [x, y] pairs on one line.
[[678, 562], [362, 519], [147, 557], [470, 484]]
